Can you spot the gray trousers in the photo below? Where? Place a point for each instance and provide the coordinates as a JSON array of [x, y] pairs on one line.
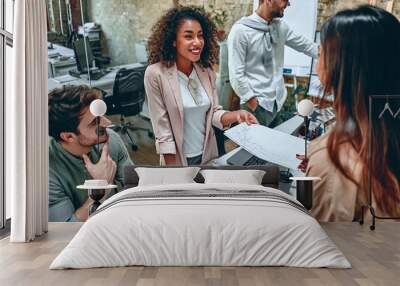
[[263, 116], [194, 161]]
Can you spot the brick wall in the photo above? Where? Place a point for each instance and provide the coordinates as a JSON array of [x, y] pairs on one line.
[[327, 8], [234, 8], [124, 23]]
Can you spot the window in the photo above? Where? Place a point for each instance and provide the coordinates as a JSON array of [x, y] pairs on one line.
[[9, 12], [6, 44]]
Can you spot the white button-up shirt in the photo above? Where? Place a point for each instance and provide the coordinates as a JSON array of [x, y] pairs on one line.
[[195, 106], [255, 72]]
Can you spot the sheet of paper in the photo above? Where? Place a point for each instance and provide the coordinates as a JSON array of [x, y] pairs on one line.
[[65, 78], [268, 144]]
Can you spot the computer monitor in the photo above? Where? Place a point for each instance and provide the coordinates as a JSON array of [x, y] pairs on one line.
[[80, 54]]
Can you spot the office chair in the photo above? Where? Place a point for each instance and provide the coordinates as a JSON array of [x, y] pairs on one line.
[[127, 100]]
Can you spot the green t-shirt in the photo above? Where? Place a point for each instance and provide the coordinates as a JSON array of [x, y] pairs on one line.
[[67, 171]]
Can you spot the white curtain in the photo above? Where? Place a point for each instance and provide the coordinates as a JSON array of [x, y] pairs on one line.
[[27, 124]]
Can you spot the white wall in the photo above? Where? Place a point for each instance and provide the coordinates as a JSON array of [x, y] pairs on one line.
[[301, 16]]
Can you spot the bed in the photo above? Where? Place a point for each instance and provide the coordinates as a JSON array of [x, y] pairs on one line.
[[201, 224]]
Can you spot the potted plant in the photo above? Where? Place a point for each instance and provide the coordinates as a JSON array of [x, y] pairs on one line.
[[220, 18]]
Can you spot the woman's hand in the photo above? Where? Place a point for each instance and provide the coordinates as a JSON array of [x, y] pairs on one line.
[[237, 116], [245, 116], [304, 162]]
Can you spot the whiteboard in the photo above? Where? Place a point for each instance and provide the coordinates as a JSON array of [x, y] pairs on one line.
[[301, 16]]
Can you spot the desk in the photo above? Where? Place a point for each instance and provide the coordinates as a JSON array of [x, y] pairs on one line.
[[61, 50], [290, 126], [59, 67], [60, 60], [105, 83]]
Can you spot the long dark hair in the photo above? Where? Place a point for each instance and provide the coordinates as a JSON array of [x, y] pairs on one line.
[[361, 56], [160, 45]]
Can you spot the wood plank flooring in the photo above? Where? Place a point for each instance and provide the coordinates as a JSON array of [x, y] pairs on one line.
[[375, 257], [146, 154]]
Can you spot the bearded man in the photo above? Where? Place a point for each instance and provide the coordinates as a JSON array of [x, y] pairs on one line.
[[73, 156], [256, 55]]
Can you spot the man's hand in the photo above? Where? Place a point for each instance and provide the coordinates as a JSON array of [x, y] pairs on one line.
[[105, 169], [245, 116], [252, 103], [83, 212]]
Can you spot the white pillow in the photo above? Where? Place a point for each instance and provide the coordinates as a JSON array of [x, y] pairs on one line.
[[248, 177], [166, 176]]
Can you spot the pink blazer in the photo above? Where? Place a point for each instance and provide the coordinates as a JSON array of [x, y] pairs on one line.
[[166, 110]]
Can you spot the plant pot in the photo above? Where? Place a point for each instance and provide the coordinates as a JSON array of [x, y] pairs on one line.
[[221, 35]]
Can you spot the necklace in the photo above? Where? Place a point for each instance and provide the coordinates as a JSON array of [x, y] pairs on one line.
[[193, 88]]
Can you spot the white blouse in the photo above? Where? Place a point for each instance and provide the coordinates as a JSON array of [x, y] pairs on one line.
[[195, 103]]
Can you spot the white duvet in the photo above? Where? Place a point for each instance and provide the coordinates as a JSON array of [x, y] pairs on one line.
[[207, 230]]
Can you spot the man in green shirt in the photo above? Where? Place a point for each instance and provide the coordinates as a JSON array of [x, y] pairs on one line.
[[73, 155]]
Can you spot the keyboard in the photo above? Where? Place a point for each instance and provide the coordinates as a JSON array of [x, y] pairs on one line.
[[94, 75], [97, 74], [244, 158], [254, 160]]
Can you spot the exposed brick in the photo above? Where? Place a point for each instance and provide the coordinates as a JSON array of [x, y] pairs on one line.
[[126, 22]]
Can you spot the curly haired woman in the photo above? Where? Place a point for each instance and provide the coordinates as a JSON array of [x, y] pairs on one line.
[[180, 88]]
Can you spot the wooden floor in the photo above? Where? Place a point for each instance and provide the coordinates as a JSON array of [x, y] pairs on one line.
[[146, 154], [375, 257]]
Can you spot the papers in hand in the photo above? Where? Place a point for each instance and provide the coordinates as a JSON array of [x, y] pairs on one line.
[[268, 144]]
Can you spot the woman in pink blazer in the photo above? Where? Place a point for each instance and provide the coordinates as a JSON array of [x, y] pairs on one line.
[[180, 88]]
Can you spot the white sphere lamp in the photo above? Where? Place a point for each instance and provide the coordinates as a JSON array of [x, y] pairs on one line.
[[98, 107], [305, 108]]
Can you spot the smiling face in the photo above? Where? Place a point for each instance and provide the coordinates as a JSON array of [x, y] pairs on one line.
[[189, 41], [87, 136]]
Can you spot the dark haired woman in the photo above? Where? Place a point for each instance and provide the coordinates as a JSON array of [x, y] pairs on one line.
[[360, 55], [180, 88]]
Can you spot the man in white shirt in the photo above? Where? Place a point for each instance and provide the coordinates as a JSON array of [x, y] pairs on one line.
[[256, 54]]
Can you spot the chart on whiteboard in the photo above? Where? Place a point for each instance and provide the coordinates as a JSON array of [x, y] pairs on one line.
[[268, 144]]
